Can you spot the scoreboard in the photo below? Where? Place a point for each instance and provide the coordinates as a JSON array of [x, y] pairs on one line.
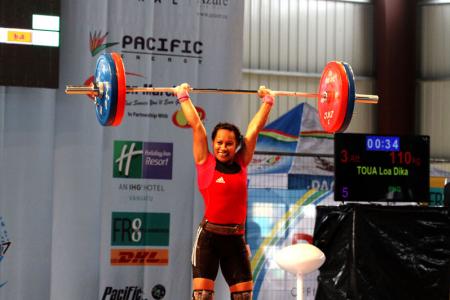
[[29, 43], [379, 168]]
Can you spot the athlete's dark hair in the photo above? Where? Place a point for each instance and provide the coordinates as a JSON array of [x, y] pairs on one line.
[[228, 126]]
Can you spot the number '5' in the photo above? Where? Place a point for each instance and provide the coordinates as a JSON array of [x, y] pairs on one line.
[[344, 192]]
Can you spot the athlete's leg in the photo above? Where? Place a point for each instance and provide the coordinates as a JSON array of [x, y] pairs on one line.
[[203, 289], [242, 291], [235, 265], [205, 265]]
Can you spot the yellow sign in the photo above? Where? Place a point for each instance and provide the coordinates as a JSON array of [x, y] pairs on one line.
[[19, 36], [437, 182]]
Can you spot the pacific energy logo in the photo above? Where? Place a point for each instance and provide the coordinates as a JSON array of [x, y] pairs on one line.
[[140, 230], [135, 159], [172, 49]]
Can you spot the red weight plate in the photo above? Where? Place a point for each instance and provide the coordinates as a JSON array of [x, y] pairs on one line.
[[333, 109], [121, 88]]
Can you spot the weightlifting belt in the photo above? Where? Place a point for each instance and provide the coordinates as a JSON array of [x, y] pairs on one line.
[[229, 229]]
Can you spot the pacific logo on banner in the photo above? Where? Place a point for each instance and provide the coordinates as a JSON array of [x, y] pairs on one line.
[[149, 160], [134, 232]]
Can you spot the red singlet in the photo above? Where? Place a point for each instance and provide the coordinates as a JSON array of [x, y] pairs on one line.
[[225, 195]]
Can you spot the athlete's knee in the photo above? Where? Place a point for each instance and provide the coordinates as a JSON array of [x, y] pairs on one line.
[[202, 295], [242, 295]]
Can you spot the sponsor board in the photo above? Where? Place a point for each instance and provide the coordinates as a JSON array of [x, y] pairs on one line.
[[139, 257], [141, 230], [136, 159], [125, 293], [132, 292]]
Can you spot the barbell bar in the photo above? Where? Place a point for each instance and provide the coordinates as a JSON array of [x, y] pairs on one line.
[[96, 91], [336, 96]]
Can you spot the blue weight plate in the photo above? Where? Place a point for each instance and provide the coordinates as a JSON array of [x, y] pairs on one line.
[[351, 96], [106, 103]]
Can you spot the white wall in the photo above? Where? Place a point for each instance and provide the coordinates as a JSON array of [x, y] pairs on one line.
[[434, 76]]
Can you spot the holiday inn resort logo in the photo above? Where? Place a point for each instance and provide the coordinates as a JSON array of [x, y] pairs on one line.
[[136, 159]]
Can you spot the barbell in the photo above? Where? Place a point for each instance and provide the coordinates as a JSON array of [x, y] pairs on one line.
[[336, 96]]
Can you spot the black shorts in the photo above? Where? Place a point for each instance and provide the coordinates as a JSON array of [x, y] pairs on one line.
[[229, 251]]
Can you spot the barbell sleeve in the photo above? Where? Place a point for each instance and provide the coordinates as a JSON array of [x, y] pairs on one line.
[[82, 90]]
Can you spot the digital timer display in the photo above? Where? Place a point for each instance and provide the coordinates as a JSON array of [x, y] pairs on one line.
[[372, 168], [382, 143]]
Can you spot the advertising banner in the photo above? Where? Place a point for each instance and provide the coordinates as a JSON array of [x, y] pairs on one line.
[[148, 174]]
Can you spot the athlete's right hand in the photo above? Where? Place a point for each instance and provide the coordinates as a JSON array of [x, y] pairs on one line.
[[182, 91], [266, 95]]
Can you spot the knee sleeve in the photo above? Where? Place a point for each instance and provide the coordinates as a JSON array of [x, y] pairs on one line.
[[202, 295], [245, 295]]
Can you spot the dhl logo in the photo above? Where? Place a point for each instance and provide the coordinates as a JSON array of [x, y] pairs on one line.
[[19, 36], [139, 257]]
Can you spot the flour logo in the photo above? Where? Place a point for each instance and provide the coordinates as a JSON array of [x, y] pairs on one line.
[[128, 159], [149, 160], [5, 244], [97, 42]]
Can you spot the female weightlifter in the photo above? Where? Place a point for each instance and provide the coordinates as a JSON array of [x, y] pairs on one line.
[[222, 181]]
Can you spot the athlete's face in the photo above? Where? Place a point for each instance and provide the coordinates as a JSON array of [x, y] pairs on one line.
[[225, 145]]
